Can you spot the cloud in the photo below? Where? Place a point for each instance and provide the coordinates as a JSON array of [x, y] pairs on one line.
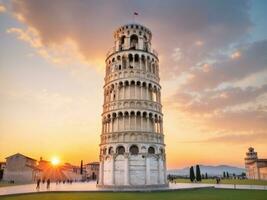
[[65, 54], [243, 120], [196, 27], [212, 101], [2, 8], [232, 109], [249, 60]]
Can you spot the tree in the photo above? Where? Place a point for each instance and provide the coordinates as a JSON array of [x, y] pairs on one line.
[[1, 174], [206, 175], [224, 175], [192, 174], [198, 173], [81, 169], [227, 175]]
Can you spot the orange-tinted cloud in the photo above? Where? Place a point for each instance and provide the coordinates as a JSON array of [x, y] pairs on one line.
[[2, 8], [175, 24]]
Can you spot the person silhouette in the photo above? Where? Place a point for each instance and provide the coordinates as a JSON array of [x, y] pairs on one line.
[[48, 184], [38, 184]]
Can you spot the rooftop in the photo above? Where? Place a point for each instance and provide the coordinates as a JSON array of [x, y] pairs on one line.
[[133, 25], [19, 154]]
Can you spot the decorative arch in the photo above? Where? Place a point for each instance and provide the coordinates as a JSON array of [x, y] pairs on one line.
[[120, 150], [134, 41], [151, 150], [134, 150]]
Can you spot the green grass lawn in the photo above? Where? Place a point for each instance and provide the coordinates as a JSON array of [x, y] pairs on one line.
[[195, 194], [228, 181]]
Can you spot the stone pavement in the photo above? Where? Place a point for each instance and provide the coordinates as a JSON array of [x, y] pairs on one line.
[[91, 187]]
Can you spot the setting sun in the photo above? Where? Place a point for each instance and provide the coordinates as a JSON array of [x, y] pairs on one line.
[[55, 161]]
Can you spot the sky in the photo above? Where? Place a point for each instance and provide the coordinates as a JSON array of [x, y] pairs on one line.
[[213, 69]]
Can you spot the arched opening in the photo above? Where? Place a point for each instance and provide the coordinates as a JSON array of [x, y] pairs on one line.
[[136, 58], [148, 64], [93, 176], [124, 61], [151, 150], [153, 68], [130, 57], [120, 150], [110, 150], [145, 43], [134, 150], [122, 42], [133, 41], [143, 62], [104, 151]]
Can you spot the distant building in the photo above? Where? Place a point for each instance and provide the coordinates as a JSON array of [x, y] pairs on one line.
[[20, 169], [2, 165], [255, 168], [72, 172], [92, 170]]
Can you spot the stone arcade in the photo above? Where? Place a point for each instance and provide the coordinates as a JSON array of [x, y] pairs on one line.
[[132, 149]]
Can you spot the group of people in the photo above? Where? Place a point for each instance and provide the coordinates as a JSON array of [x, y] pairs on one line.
[[39, 181], [43, 181], [65, 181]]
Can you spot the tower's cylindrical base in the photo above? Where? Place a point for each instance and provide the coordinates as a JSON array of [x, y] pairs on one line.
[[127, 170]]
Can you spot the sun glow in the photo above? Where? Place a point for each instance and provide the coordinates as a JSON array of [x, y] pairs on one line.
[[55, 161]]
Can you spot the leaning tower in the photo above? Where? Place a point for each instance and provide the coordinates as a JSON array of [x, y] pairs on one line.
[[132, 149]]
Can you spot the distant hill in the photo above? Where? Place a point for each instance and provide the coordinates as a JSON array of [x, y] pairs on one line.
[[210, 170]]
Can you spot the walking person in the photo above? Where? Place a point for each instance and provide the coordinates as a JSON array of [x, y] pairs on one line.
[[48, 184], [38, 184]]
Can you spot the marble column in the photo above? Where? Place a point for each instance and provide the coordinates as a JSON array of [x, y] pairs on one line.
[[112, 170], [146, 64], [159, 170], [141, 122], [126, 169], [123, 122], [118, 123], [112, 124], [147, 170], [147, 124], [101, 172]]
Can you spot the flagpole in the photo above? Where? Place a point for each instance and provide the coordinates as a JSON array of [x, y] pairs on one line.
[[134, 14]]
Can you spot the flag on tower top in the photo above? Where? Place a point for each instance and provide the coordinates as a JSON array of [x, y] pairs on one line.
[[135, 13]]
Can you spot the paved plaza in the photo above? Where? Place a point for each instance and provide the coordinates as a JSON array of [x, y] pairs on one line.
[[91, 187]]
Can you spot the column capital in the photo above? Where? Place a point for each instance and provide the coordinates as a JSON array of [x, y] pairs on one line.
[[126, 155]]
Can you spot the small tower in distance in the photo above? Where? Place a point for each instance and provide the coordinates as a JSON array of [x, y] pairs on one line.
[[251, 156]]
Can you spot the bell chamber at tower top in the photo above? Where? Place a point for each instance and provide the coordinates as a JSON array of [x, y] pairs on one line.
[[132, 37], [132, 54]]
